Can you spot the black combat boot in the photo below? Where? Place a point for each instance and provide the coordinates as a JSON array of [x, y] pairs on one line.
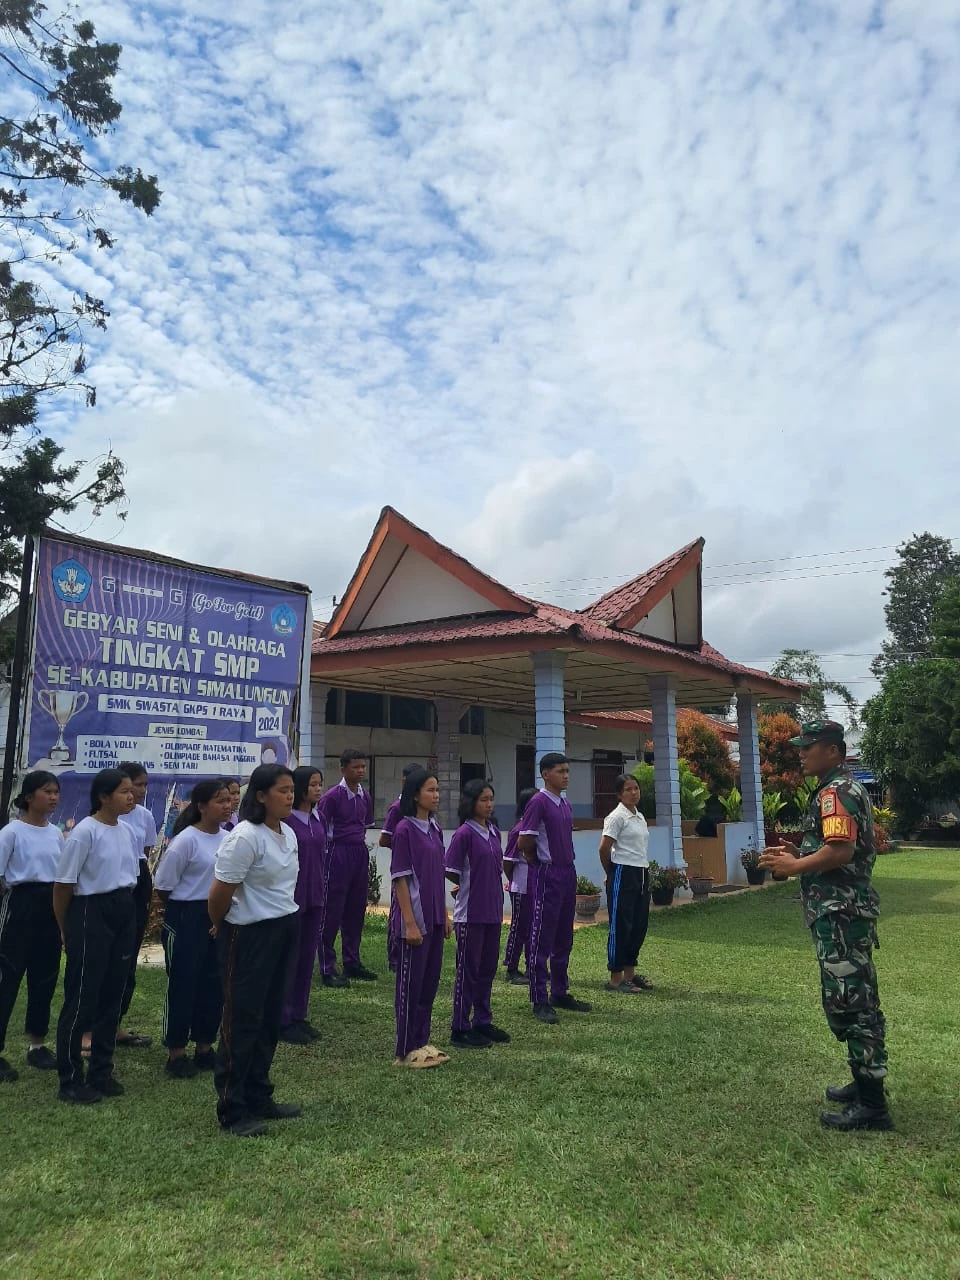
[[868, 1112], [845, 1093]]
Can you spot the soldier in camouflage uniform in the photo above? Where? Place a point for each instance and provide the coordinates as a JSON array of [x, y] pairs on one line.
[[834, 862]]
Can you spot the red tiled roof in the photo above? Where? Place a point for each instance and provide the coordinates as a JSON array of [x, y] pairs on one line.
[[643, 720], [640, 594], [526, 620]]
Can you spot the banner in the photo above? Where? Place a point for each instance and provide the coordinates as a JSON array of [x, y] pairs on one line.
[[193, 673]]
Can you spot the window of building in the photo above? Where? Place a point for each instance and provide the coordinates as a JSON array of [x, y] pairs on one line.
[[333, 706], [364, 710], [411, 713], [473, 721]]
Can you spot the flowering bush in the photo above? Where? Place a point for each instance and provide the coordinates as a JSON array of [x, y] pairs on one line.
[[667, 877], [881, 838]]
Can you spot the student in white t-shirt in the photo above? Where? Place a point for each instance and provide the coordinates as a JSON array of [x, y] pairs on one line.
[[184, 876], [254, 913], [141, 821], [93, 903], [623, 852], [29, 935]]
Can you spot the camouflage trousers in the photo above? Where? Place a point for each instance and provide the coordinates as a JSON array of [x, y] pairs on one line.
[[848, 989]]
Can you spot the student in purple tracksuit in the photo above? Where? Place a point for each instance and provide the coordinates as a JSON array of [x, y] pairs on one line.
[[393, 816], [546, 842], [312, 852], [474, 863], [515, 869], [416, 875], [347, 810]]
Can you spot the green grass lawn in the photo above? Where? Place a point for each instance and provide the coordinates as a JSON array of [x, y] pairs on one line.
[[670, 1134]]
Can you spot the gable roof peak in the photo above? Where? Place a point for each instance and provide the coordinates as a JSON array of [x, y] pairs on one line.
[[625, 605], [398, 552]]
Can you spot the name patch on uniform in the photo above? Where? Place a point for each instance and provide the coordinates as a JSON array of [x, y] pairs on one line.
[[839, 827], [828, 803]]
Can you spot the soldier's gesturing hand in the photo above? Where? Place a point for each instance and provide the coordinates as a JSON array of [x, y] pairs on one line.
[[780, 859]]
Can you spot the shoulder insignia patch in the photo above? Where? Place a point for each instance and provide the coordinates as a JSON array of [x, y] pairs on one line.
[[828, 802]]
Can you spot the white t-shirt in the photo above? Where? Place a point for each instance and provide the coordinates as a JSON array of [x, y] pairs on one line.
[[28, 853], [630, 836], [265, 866], [141, 822], [186, 868], [98, 858]]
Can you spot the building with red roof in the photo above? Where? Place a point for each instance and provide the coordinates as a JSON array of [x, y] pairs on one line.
[[425, 644]]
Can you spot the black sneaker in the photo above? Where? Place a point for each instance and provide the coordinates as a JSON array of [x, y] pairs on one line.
[[80, 1094], [335, 980], [41, 1058], [469, 1040], [279, 1111], [312, 1031], [543, 1013], [516, 978], [7, 1073], [205, 1061], [568, 1002], [248, 1127], [360, 972], [490, 1032], [108, 1087], [180, 1068], [295, 1033]]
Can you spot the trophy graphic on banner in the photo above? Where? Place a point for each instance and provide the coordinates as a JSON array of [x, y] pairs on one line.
[[63, 705]]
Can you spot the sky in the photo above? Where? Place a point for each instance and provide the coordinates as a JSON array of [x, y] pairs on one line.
[[569, 283]]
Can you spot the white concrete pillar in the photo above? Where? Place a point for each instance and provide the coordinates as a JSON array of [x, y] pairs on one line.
[[666, 774], [548, 668], [318, 735], [750, 780]]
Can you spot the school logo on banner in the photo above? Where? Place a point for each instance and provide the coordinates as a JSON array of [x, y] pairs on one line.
[[283, 620], [71, 581]]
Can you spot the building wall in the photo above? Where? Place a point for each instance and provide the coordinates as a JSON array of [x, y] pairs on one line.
[[495, 750]]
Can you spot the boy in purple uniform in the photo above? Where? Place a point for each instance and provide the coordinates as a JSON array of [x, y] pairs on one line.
[[515, 869], [416, 875], [546, 842], [347, 811], [474, 863]]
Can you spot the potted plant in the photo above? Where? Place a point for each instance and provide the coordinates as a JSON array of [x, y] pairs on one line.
[[588, 899], [664, 882], [732, 805], [773, 805], [749, 858]]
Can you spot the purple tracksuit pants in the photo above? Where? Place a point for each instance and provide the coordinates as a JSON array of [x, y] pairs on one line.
[[519, 934], [301, 969], [418, 977], [552, 892], [345, 905], [478, 949]]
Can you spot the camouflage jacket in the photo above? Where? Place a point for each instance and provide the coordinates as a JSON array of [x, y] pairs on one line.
[[840, 810]]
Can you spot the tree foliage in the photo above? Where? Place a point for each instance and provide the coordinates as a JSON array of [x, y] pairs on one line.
[[912, 726], [58, 93], [700, 743], [926, 563], [804, 666], [779, 761]]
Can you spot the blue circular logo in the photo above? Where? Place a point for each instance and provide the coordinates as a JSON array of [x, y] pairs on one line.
[[283, 620], [71, 581]]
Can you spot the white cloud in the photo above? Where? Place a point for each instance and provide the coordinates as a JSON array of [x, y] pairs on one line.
[[569, 284]]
